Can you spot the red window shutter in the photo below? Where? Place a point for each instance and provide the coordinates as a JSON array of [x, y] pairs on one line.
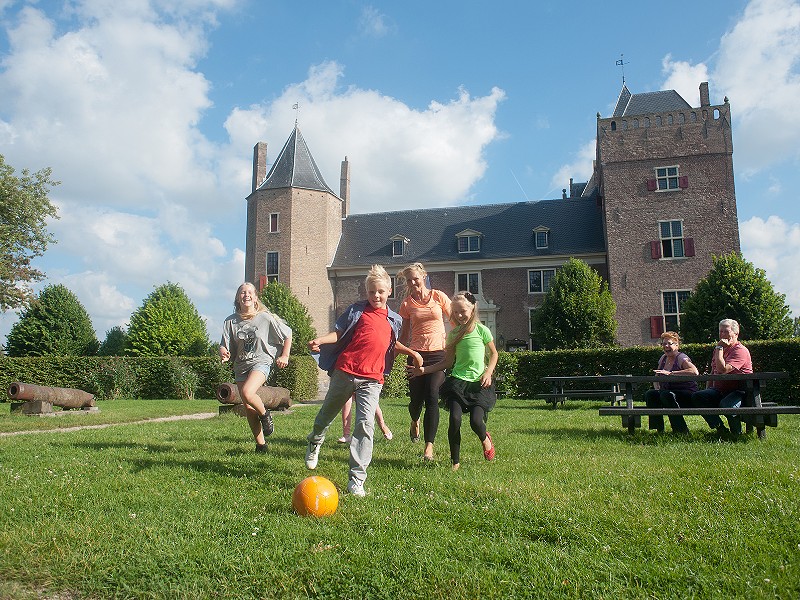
[[688, 246], [683, 182], [655, 249], [262, 282], [656, 326], [652, 185]]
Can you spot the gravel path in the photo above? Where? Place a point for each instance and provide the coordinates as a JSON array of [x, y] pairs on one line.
[[79, 427]]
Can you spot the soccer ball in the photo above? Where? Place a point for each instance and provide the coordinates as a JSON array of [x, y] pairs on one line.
[[315, 496]]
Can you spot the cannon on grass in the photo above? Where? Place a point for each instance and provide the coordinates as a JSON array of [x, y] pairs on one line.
[[30, 399], [274, 398]]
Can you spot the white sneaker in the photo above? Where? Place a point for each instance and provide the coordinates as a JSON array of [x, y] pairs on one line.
[[312, 455], [356, 489]]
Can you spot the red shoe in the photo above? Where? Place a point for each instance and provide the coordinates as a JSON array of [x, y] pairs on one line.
[[489, 454]]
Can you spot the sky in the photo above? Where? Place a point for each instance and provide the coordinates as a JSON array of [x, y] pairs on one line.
[[147, 112]]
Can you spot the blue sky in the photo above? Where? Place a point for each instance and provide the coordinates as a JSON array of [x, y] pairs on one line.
[[148, 112]]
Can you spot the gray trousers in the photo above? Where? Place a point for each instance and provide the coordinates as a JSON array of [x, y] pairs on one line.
[[367, 393]]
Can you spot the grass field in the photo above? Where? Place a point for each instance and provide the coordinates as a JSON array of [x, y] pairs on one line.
[[573, 507]]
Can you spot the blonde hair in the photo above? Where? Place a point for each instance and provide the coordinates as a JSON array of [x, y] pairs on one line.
[[402, 275], [670, 335], [378, 273], [257, 306], [459, 331]]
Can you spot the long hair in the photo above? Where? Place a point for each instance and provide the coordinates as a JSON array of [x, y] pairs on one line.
[[459, 331], [257, 305], [402, 276]]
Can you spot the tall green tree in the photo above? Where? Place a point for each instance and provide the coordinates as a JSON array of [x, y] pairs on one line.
[[167, 324], [577, 311], [24, 210], [54, 323], [735, 289], [115, 342], [278, 298]]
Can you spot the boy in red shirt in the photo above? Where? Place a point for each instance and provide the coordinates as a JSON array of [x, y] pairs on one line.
[[358, 354]]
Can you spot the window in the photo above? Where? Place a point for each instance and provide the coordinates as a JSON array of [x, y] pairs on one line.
[[468, 282], [399, 245], [542, 237], [667, 178], [671, 235], [469, 241], [673, 308], [392, 295], [531, 312], [272, 267], [273, 222], [539, 280]]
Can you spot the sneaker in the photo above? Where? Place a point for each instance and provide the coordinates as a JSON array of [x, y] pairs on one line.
[[312, 455], [356, 489], [345, 439], [261, 448], [266, 424]]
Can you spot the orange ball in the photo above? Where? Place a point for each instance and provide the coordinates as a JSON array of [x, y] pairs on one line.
[[315, 496]]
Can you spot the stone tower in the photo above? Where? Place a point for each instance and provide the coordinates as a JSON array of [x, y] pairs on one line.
[[294, 222], [665, 174]]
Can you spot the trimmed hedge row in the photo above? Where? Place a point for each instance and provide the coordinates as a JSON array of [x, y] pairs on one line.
[[519, 374], [114, 377]]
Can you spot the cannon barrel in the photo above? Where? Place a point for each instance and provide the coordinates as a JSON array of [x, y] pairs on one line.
[[63, 397], [272, 397]]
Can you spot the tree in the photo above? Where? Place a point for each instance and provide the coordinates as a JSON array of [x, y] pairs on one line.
[[115, 342], [24, 210], [278, 298], [55, 323], [735, 289], [577, 311], [167, 324]]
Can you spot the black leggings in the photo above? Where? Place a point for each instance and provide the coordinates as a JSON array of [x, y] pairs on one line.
[[477, 420], [424, 391]]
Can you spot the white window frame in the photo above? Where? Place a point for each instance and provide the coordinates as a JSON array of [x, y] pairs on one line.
[[546, 234], [675, 315], [468, 275], [672, 241], [277, 228], [541, 272], [393, 280], [272, 276], [468, 240], [395, 244], [668, 179]]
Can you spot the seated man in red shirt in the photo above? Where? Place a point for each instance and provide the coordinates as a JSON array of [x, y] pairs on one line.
[[728, 356]]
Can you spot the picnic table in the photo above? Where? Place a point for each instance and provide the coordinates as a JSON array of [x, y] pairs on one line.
[[563, 390], [755, 413]]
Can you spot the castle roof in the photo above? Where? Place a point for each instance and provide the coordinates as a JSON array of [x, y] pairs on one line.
[[649, 102], [295, 167], [506, 231]]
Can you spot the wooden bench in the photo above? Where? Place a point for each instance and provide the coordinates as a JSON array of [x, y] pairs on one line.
[[561, 392], [754, 413]]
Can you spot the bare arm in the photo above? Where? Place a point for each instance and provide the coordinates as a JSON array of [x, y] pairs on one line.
[[328, 338], [403, 349], [486, 378], [405, 331], [446, 363], [283, 360]]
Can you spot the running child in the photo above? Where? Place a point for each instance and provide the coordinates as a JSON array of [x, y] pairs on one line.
[[468, 386]]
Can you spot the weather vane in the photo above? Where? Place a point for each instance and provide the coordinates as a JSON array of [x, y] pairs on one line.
[[296, 107], [622, 63]]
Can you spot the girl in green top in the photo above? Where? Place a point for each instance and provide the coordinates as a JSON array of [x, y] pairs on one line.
[[468, 387]]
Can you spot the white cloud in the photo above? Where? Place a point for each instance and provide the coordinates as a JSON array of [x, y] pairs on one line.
[[684, 78], [580, 169], [434, 155], [774, 245], [373, 23]]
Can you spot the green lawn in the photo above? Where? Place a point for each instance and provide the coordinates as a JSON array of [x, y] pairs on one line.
[[573, 507]]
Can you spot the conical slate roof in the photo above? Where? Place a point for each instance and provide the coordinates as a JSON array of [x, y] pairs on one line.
[[295, 168]]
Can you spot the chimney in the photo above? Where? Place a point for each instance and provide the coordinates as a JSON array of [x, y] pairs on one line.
[[704, 101], [344, 188], [259, 164], [570, 187], [564, 193]]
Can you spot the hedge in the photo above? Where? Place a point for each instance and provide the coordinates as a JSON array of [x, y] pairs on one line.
[[111, 377]]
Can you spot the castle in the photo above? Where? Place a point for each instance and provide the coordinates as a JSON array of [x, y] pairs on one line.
[[659, 204]]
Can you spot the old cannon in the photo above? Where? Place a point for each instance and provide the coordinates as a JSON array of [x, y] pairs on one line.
[[274, 398], [40, 399]]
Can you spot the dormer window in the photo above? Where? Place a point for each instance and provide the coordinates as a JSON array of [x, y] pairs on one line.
[[469, 241], [399, 245], [542, 236]]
